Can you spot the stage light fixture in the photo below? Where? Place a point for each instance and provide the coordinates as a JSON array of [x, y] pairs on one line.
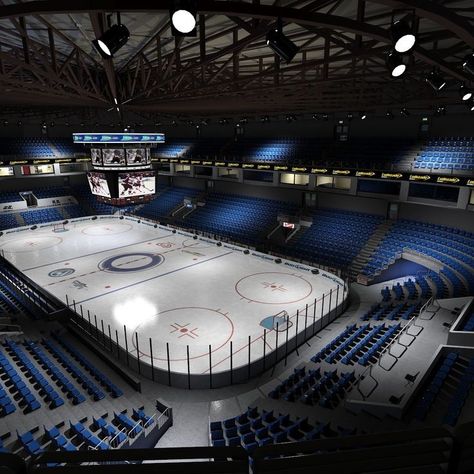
[[363, 115], [405, 112], [465, 93], [435, 80], [440, 110], [183, 17], [395, 64], [471, 106], [281, 44], [350, 116], [468, 63], [402, 36], [112, 40], [325, 117], [389, 114]]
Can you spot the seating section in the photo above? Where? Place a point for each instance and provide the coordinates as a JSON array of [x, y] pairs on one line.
[[381, 153], [86, 383], [447, 388], [26, 147], [239, 218], [166, 201], [469, 323], [114, 391], [7, 196], [73, 211], [453, 248], [174, 148], [254, 428], [311, 387], [96, 433], [449, 153], [39, 216], [37, 379], [51, 192], [56, 374], [8, 221], [391, 312], [357, 344], [275, 150], [335, 238], [13, 380]]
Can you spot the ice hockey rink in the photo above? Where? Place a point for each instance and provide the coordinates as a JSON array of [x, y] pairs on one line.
[[182, 293]]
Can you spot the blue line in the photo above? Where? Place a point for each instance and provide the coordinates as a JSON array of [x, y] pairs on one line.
[[94, 253], [153, 278]]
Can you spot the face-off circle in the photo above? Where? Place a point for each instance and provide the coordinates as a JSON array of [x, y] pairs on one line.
[[274, 288], [31, 243], [196, 244], [193, 326], [111, 228], [131, 262]]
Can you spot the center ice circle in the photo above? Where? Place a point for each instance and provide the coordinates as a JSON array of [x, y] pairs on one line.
[[131, 262]]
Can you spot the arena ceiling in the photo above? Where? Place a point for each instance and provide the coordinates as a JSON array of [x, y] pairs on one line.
[[47, 58]]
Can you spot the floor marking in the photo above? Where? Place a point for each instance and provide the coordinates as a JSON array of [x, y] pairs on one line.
[[154, 278], [93, 253]]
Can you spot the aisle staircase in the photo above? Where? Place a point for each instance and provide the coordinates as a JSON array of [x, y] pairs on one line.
[[368, 250]]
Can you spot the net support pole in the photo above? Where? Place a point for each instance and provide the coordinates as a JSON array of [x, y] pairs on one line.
[[89, 319], [314, 315], [151, 360], [110, 338], [248, 365], [264, 348], [296, 335], [276, 345], [330, 305], [337, 301], [117, 342], [138, 353], [67, 301], [231, 365], [169, 364], [126, 343], [305, 322], [189, 369], [322, 311], [103, 331], [96, 328], [210, 366], [286, 342]]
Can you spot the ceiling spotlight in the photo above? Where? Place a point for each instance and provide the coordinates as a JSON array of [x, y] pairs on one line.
[[395, 64], [405, 112], [468, 63], [389, 115], [316, 116], [350, 116], [281, 44], [440, 110], [362, 115], [402, 36], [435, 80], [183, 17], [325, 117], [472, 106], [112, 40], [265, 119], [465, 93]]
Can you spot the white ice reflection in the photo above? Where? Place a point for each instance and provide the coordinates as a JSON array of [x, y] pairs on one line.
[[134, 312]]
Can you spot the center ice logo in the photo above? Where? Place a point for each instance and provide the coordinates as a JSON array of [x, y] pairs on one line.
[[61, 272]]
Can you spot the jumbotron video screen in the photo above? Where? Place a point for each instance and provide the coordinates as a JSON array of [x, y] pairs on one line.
[[98, 184], [136, 184]]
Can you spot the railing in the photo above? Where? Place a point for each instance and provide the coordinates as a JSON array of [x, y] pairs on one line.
[[367, 373]]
